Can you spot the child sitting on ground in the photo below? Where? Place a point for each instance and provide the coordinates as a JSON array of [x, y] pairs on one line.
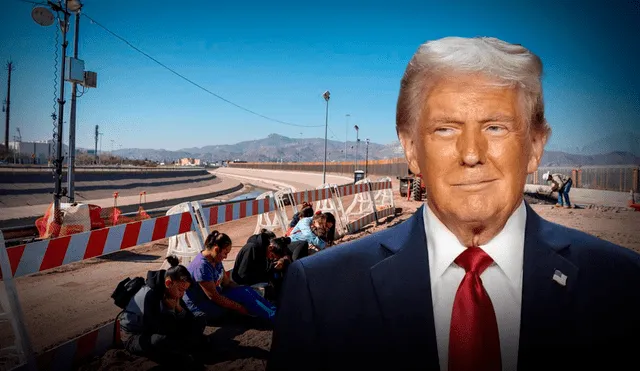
[[157, 324], [311, 229]]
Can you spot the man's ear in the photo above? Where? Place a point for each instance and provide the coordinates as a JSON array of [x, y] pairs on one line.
[[538, 141], [167, 282], [410, 153]]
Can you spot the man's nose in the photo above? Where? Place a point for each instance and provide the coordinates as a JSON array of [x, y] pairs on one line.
[[472, 147]]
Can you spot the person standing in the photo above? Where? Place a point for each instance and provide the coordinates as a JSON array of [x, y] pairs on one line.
[[561, 183]]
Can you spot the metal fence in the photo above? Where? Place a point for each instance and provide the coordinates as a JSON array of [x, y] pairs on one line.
[[621, 178], [390, 167]]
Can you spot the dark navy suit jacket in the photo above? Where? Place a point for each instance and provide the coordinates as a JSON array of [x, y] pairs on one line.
[[367, 305]]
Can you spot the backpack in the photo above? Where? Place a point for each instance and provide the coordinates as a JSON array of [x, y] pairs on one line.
[[125, 290]]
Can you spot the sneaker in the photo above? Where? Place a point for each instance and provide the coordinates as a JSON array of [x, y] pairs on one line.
[[568, 207], [558, 205]]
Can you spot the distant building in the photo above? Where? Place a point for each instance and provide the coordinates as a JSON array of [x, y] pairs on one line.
[[38, 152], [189, 161]]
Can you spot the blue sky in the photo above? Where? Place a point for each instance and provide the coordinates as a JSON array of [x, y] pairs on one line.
[[278, 57]]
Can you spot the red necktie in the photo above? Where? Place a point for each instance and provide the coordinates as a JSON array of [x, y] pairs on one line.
[[473, 339]]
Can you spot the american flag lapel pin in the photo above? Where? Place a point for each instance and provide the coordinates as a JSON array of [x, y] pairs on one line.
[[560, 278]]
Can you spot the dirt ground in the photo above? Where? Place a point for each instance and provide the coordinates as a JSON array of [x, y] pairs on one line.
[[63, 303]]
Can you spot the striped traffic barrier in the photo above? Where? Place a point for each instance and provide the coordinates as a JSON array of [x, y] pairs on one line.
[[358, 224], [47, 254]]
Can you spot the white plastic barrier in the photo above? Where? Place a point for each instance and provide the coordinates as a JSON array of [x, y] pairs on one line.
[[21, 351], [362, 203], [185, 246], [334, 206], [282, 197], [268, 221], [38, 256], [384, 196]]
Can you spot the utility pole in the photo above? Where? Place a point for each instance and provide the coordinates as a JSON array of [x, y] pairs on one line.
[[96, 146], [57, 195], [8, 107], [72, 119]]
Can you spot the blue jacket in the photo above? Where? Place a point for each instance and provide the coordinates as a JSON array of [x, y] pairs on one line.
[[302, 232]]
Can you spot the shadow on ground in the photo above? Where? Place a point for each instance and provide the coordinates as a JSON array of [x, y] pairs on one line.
[[240, 344]]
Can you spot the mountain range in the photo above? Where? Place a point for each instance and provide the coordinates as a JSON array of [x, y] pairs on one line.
[[617, 149]]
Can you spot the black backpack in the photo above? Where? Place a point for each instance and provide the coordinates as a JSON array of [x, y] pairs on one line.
[[125, 290]]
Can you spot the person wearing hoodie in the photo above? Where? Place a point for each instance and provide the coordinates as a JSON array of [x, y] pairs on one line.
[[157, 324], [254, 259], [264, 259]]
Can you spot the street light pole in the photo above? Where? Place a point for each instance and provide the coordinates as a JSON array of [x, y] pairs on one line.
[[366, 163], [72, 119], [357, 142], [326, 97]]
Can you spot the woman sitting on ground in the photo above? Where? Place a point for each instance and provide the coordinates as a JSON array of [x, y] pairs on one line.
[[214, 294], [305, 212], [157, 324], [330, 225], [310, 230]]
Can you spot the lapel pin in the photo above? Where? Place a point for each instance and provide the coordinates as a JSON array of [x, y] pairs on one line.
[[560, 278]]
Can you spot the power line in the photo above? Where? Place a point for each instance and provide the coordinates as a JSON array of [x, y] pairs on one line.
[[193, 82]]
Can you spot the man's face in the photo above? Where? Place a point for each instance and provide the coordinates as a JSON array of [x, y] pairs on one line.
[[473, 149]]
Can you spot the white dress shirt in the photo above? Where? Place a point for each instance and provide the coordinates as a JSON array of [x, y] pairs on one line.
[[502, 281]]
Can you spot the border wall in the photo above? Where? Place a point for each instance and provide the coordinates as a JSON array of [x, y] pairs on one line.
[[620, 178]]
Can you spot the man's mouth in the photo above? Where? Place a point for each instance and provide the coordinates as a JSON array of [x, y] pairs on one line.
[[471, 183]]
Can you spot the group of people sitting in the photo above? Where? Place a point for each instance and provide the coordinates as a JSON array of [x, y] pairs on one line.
[[165, 319]]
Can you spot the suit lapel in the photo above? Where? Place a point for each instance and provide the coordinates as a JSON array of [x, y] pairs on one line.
[[403, 291], [546, 302]]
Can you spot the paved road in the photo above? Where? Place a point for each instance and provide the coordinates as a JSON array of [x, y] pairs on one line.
[[177, 192], [306, 180], [278, 178]]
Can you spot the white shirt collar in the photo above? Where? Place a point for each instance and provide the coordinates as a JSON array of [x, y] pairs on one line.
[[506, 249]]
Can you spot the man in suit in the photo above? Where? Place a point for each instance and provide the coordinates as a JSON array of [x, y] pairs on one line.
[[475, 280]]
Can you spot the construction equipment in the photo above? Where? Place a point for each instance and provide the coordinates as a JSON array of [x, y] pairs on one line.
[[412, 185]]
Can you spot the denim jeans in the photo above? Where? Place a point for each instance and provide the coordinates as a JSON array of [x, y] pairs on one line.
[[246, 296], [564, 193]]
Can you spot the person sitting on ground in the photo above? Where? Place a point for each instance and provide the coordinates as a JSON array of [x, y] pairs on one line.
[[157, 324], [305, 212], [330, 224], [310, 229], [214, 295], [264, 259], [254, 260], [562, 184], [298, 249]]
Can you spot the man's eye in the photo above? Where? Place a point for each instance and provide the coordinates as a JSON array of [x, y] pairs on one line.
[[496, 129], [444, 131]]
